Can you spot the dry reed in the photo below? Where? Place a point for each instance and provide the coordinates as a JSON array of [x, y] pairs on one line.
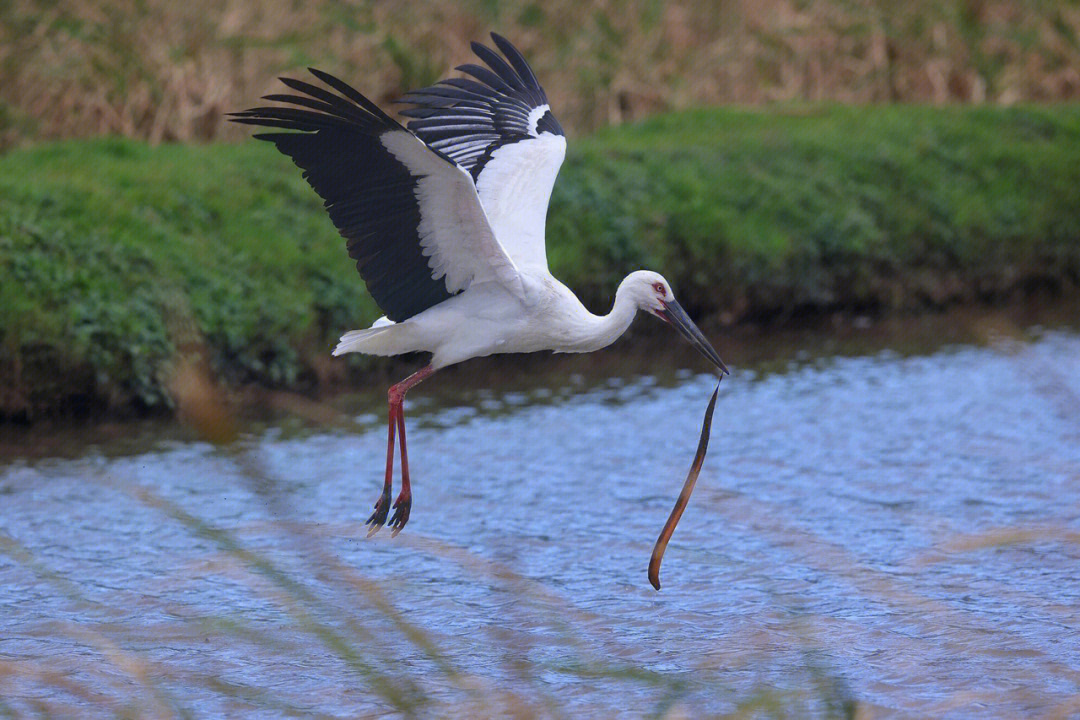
[[167, 71]]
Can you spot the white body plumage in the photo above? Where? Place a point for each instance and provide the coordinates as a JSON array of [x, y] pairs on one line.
[[486, 319]]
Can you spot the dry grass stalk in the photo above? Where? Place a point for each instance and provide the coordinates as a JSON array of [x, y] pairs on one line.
[[168, 71]]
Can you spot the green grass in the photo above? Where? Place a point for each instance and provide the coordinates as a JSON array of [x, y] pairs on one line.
[[111, 243], [115, 254], [856, 207]]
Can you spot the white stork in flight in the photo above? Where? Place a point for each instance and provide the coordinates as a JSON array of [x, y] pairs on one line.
[[445, 220]]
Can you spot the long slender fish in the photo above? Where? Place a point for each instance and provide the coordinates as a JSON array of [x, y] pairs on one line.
[[684, 496]]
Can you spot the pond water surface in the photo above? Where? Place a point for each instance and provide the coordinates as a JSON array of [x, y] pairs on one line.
[[889, 528]]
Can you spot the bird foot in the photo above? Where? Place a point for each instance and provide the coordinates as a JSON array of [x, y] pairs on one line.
[[401, 513], [378, 518]]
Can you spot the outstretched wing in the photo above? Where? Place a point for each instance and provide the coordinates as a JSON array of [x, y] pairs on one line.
[[410, 216], [498, 126]]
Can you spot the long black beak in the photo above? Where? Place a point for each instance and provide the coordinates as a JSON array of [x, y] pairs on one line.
[[674, 314]]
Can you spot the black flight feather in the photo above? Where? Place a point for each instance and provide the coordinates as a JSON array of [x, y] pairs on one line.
[[369, 194], [506, 94]]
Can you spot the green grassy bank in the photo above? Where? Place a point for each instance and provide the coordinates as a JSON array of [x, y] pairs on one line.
[[115, 255]]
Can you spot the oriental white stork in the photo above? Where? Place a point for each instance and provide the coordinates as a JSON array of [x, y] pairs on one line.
[[445, 220]]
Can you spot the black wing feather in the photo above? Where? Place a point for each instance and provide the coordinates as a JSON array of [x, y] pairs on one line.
[[487, 77], [520, 64], [499, 65], [369, 194], [505, 92]]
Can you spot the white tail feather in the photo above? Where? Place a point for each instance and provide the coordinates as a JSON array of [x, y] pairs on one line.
[[373, 341]]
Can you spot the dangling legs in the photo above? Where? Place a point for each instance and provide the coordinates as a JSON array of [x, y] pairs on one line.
[[382, 505], [403, 504], [404, 499]]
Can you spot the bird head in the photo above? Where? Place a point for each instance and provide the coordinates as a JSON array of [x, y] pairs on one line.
[[653, 294]]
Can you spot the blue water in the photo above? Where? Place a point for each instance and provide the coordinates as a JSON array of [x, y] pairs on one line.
[[897, 533]]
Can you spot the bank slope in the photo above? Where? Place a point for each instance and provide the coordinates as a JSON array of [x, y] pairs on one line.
[[118, 257]]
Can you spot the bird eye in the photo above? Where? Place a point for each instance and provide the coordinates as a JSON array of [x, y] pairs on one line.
[[659, 287]]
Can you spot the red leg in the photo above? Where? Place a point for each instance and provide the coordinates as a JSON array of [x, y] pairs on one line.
[[403, 504], [382, 505]]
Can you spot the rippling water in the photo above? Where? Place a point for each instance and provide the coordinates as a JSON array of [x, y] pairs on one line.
[[896, 533]]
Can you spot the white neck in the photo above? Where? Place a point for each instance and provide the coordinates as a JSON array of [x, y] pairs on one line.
[[602, 330]]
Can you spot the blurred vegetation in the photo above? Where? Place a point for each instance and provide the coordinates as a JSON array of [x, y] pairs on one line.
[[163, 70], [119, 257], [317, 613]]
